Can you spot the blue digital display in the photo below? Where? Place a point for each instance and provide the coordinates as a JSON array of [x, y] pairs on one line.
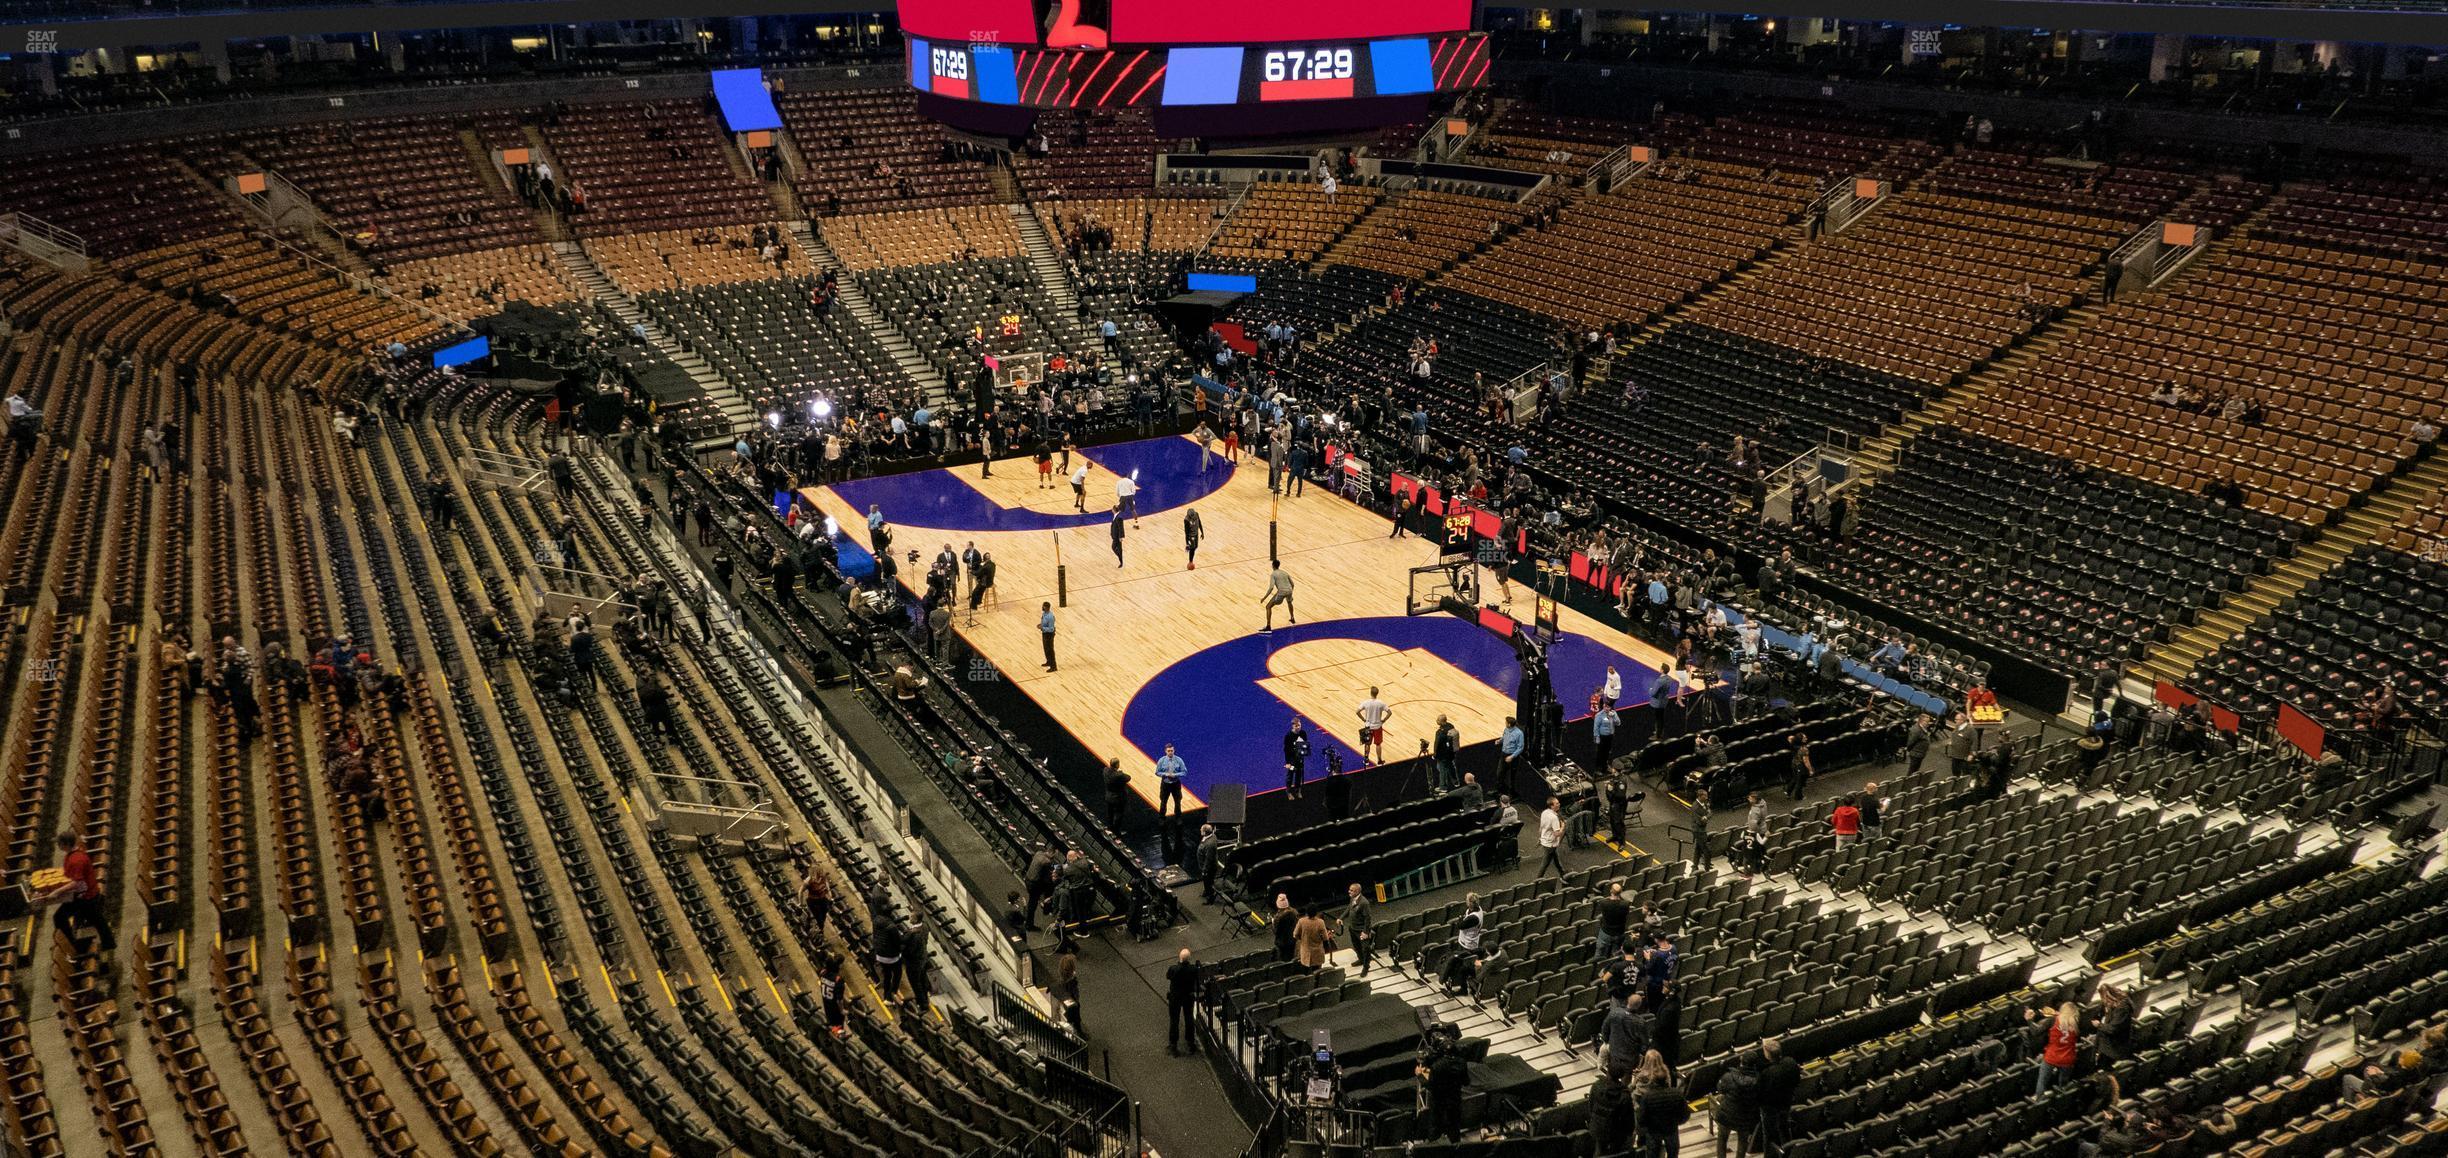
[[473, 349], [992, 76], [1202, 76], [1232, 283], [1401, 67], [919, 73], [746, 106]]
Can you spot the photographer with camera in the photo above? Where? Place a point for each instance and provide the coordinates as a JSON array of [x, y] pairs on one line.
[[1442, 1073]]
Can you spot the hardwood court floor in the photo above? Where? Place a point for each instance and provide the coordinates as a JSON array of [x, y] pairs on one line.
[[1152, 652]]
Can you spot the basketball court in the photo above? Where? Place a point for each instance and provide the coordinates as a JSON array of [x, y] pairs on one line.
[[1152, 652]]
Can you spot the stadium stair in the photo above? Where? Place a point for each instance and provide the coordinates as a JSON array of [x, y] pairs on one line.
[[1878, 455], [2361, 524], [1052, 276], [1005, 184], [846, 288], [547, 222], [573, 257]]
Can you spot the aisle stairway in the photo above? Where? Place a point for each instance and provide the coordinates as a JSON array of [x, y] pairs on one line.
[[1045, 261], [1878, 455], [846, 289], [2362, 524], [734, 405]]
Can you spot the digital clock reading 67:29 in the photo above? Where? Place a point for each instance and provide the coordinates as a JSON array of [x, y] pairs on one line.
[[1309, 64]]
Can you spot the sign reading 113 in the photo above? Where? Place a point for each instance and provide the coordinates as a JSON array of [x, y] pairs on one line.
[[1309, 64]]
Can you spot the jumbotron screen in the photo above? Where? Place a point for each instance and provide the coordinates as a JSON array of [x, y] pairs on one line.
[[1070, 54]]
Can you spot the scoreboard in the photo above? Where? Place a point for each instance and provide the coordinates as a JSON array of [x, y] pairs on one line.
[[1170, 54]]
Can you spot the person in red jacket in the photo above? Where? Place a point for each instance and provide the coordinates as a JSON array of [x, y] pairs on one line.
[[1847, 820], [2057, 1057]]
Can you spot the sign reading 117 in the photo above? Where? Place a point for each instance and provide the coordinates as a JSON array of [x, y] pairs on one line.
[[1309, 64]]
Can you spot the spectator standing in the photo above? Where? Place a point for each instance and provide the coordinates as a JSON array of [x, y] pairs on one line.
[[79, 896], [1182, 981], [2058, 1051], [1602, 737], [1625, 1036], [1169, 772], [1286, 918], [1666, 1026], [1614, 919], [1510, 744], [1551, 837], [1735, 1105], [1872, 806], [1846, 820], [1799, 780], [1295, 759], [1779, 1078], [1309, 940], [1659, 1107], [1039, 881], [1358, 926], [914, 965]]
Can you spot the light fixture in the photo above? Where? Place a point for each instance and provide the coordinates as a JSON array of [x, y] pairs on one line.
[[773, 418], [821, 408]]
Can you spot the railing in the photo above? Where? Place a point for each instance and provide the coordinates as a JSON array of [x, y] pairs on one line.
[[1223, 219], [1437, 874], [1524, 390], [35, 235], [2143, 239]]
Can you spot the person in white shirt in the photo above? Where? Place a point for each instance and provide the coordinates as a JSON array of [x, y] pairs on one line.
[[1373, 715], [1126, 498], [1613, 691], [1551, 837], [345, 426], [1079, 487]]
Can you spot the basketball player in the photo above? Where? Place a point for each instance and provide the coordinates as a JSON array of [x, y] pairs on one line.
[[1373, 714], [1192, 531], [1279, 590], [1079, 487]]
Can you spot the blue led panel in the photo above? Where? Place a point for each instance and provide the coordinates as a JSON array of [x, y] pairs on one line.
[[468, 351], [1231, 283], [1401, 67], [746, 106], [991, 74], [1202, 76], [919, 72]]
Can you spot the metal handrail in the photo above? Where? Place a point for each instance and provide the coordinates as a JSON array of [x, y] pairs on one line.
[[1231, 206], [1606, 164], [16, 224]]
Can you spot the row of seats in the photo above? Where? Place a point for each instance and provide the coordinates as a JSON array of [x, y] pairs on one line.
[[2379, 614], [1646, 246], [1291, 220], [1091, 153], [650, 165], [869, 150], [1418, 233], [397, 186], [2066, 566]]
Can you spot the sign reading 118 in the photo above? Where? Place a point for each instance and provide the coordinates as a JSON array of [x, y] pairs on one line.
[[1309, 64]]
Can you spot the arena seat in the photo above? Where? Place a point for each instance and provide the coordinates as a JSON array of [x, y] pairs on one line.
[[1289, 220], [1092, 153], [652, 165], [868, 150], [401, 188]]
